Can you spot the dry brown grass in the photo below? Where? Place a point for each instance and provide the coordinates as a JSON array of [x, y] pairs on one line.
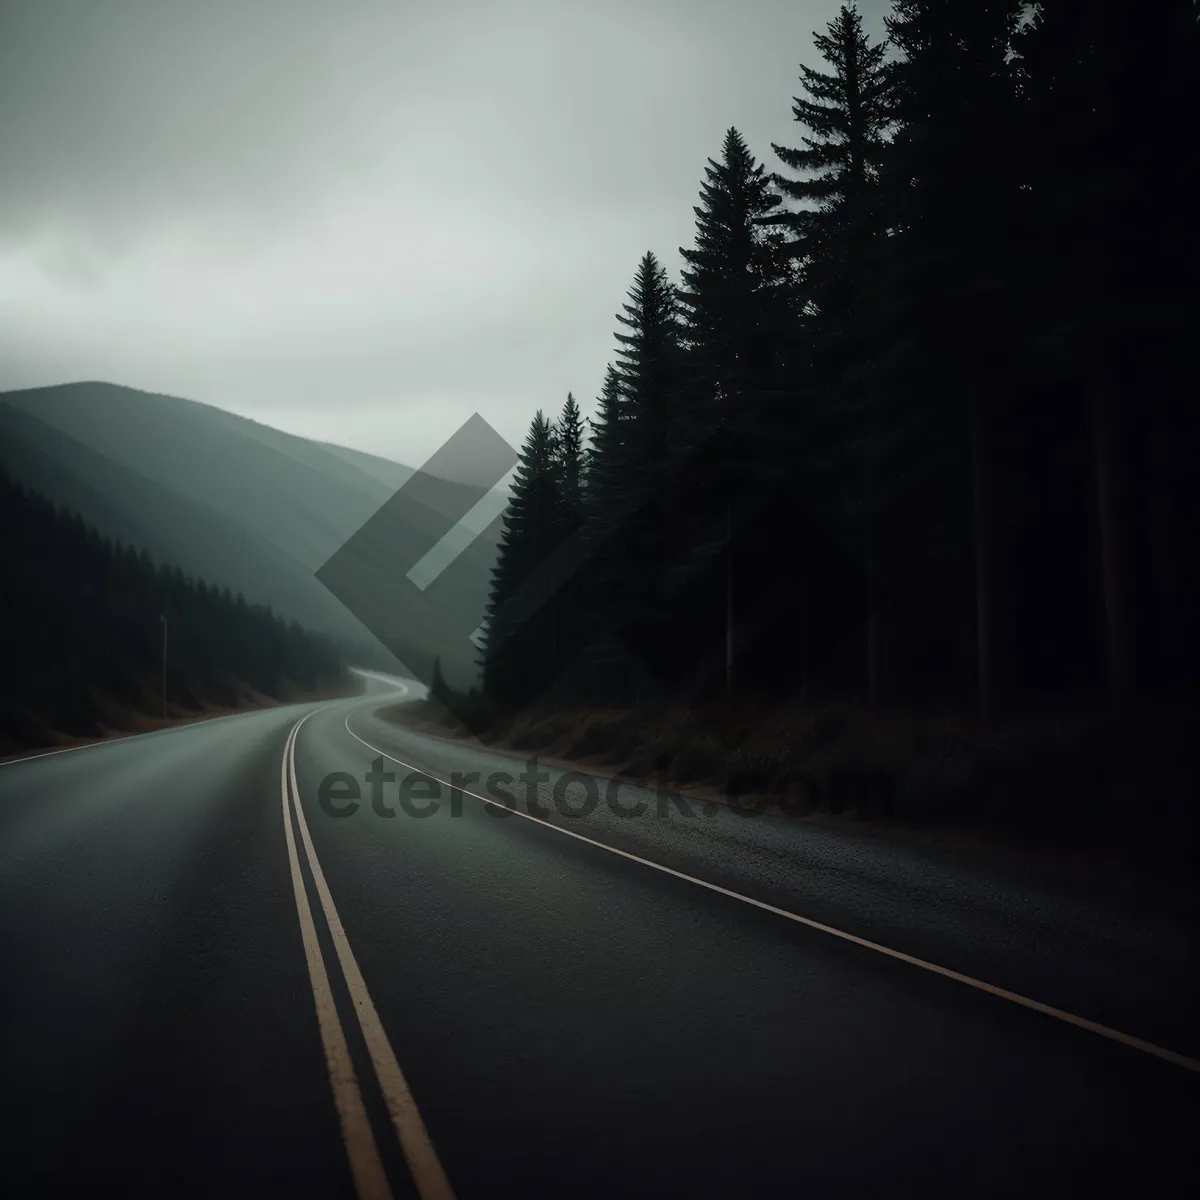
[[1066, 780], [121, 720]]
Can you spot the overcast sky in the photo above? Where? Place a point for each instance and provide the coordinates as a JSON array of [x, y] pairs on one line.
[[362, 221]]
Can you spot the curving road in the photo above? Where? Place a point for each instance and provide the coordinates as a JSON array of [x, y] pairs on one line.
[[207, 991]]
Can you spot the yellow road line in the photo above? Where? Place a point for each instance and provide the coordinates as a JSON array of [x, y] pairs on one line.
[[370, 1183], [422, 1159]]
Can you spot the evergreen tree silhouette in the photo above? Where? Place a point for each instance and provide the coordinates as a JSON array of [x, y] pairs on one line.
[[89, 612], [518, 656]]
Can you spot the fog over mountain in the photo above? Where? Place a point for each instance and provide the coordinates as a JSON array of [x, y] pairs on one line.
[[362, 222], [231, 501]]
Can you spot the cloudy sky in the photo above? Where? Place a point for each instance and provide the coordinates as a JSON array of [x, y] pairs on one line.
[[362, 221]]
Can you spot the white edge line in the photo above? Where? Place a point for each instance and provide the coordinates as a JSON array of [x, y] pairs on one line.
[[128, 737], [1171, 1056], [370, 1182], [401, 689], [423, 1162]]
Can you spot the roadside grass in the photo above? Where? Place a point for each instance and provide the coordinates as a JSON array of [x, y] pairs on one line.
[[23, 731], [1072, 780]]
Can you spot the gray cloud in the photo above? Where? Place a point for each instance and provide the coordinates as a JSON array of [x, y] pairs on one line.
[[362, 221]]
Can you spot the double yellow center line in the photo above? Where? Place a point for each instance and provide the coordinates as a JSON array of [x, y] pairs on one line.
[[370, 1181]]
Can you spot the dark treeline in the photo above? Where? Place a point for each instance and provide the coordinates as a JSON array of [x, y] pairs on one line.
[[83, 632], [928, 387]]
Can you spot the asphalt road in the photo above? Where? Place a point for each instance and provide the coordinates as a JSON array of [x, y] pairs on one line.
[[481, 1004]]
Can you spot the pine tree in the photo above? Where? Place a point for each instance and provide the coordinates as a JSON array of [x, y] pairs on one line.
[[731, 299], [569, 451], [627, 469], [603, 476], [1112, 220], [567, 606], [649, 372], [606, 491], [952, 302], [735, 335], [438, 687], [517, 655], [838, 236], [73, 596], [648, 369], [848, 112]]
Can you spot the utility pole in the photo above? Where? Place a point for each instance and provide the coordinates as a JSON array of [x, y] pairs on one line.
[[163, 619]]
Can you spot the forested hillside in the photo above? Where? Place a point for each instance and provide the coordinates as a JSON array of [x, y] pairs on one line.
[[921, 405], [82, 621], [238, 504]]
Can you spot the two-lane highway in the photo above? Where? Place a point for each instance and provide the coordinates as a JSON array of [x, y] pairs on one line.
[[208, 990], [157, 1023]]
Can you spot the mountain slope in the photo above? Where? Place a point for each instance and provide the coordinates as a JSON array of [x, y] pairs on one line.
[[139, 512], [288, 490], [235, 502], [67, 598], [383, 469]]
